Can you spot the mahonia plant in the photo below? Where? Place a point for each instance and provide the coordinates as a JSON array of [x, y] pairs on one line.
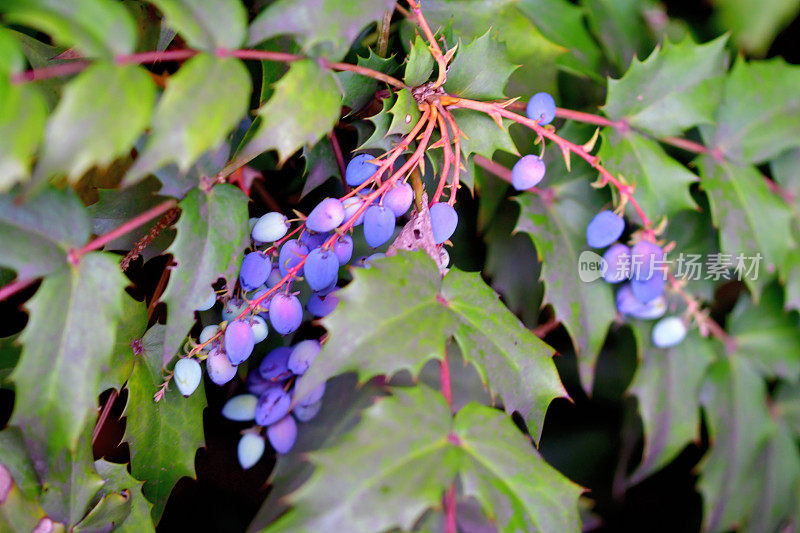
[[273, 226]]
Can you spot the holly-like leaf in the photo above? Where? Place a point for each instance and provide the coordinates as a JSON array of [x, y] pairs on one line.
[[304, 107], [38, 234], [662, 184], [100, 115], [484, 136], [734, 399], [754, 29], [380, 138], [667, 385], [405, 114], [480, 70], [677, 87], [751, 219], [413, 324], [320, 165], [207, 24], [419, 64], [622, 28], [65, 352], [357, 89], [164, 436], [14, 457], [331, 24], [100, 28], [22, 116], [18, 511], [759, 115], [122, 504], [390, 483], [558, 230], [131, 327], [766, 335], [212, 231], [203, 101]]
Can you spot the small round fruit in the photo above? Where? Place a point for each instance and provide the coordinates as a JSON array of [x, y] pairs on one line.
[[527, 172], [646, 259], [232, 309], [285, 313], [669, 331], [444, 220], [250, 449], [207, 334], [541, 108], [360, 169], [270, 227], [618, 263], [343, 248], [321, 268], [313, 396], [260, 328], [399, 198], [239, 341], [379, 223], [292, 252], [274, 366], [303, 354], [209, 302], [187, 375], [256, 384], [272, 405], [274, 277], [283, 434], [327, 216], [351, 207], [240, 408], [219, 368], [605, 228], [304, 413], [648, 290], [254, 271], [321, 306], [627, 304]]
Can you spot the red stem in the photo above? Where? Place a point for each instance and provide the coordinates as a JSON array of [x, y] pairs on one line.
[[95, 244], [14, 287], [337, 152]]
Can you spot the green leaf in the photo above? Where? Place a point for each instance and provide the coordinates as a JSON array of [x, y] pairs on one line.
[[122, 500], [767, 336], [65, 353], [38, 234], [18, 512], [100, 115], [207, 24], [331, 24], [759, 115], [419, 64], [380, 139], [12, 60], [755, 29], [667, 385], [98, 28], [14, 457], [734, 399], [22, 116], [357, 89], [203, 101], [320, 165], [413, 313], [662, 184], [750, 218], [304, 107], [677, 87], [485, 137], [480, 70], [621, 28], [212, 231], [131, 327], [405, 114], [41, 55], [787, 405], [164, 436], [558, 230]]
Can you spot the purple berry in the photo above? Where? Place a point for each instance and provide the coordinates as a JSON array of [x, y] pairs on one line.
[[542, 108], [527, 172], [303, 354], [313, 396], [255, 270], [304, 413], [285, 313], [282, 434], [444, 220], [605, 228], [399, 198], [379, 222], [272, 406], [219, 368], [627, 304], [351, 206], [618, 263], [646, 258], [239, 341], [327, 216], [256, 384], [314, 240], [343, 248], [321, 268], [292, 252], [648, 290], [321, 306], [274, 366], [274, 277], [360, 169]]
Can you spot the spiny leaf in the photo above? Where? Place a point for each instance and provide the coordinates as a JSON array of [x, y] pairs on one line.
[[122, 491], [208, 24], [484, 136], [677, 87], [329, 23], [99, 28], [211, 234], [15, 458], [164, 436], [754, 29], [419, 64], [22, 117], [380, 138], [100, 115], [18, 511], [405, 113], [425, 312], [304, 107], [65, 353], [203, 101], [357, 89], [480, 70], [759, 116], [622, 28], [38, 234], [131, 327]]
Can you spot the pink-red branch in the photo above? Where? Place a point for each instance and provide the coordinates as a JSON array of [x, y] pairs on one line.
[[14, 287]]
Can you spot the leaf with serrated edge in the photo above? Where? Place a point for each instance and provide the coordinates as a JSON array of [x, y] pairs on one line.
[[357, 89], [662, 184], [207, 25], [100, 115], [667, 385], [425, 312], [750, 219], [558, 230], [164, 436], [484, 136], [304, 107], [137, 519], [672, 90], [330, 23], [405, 113], [38, 234], [22, 117], [379, 139], [14, 457], [212, 231], [480, 69], [65, 353], [419, 65], [203, 101]]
